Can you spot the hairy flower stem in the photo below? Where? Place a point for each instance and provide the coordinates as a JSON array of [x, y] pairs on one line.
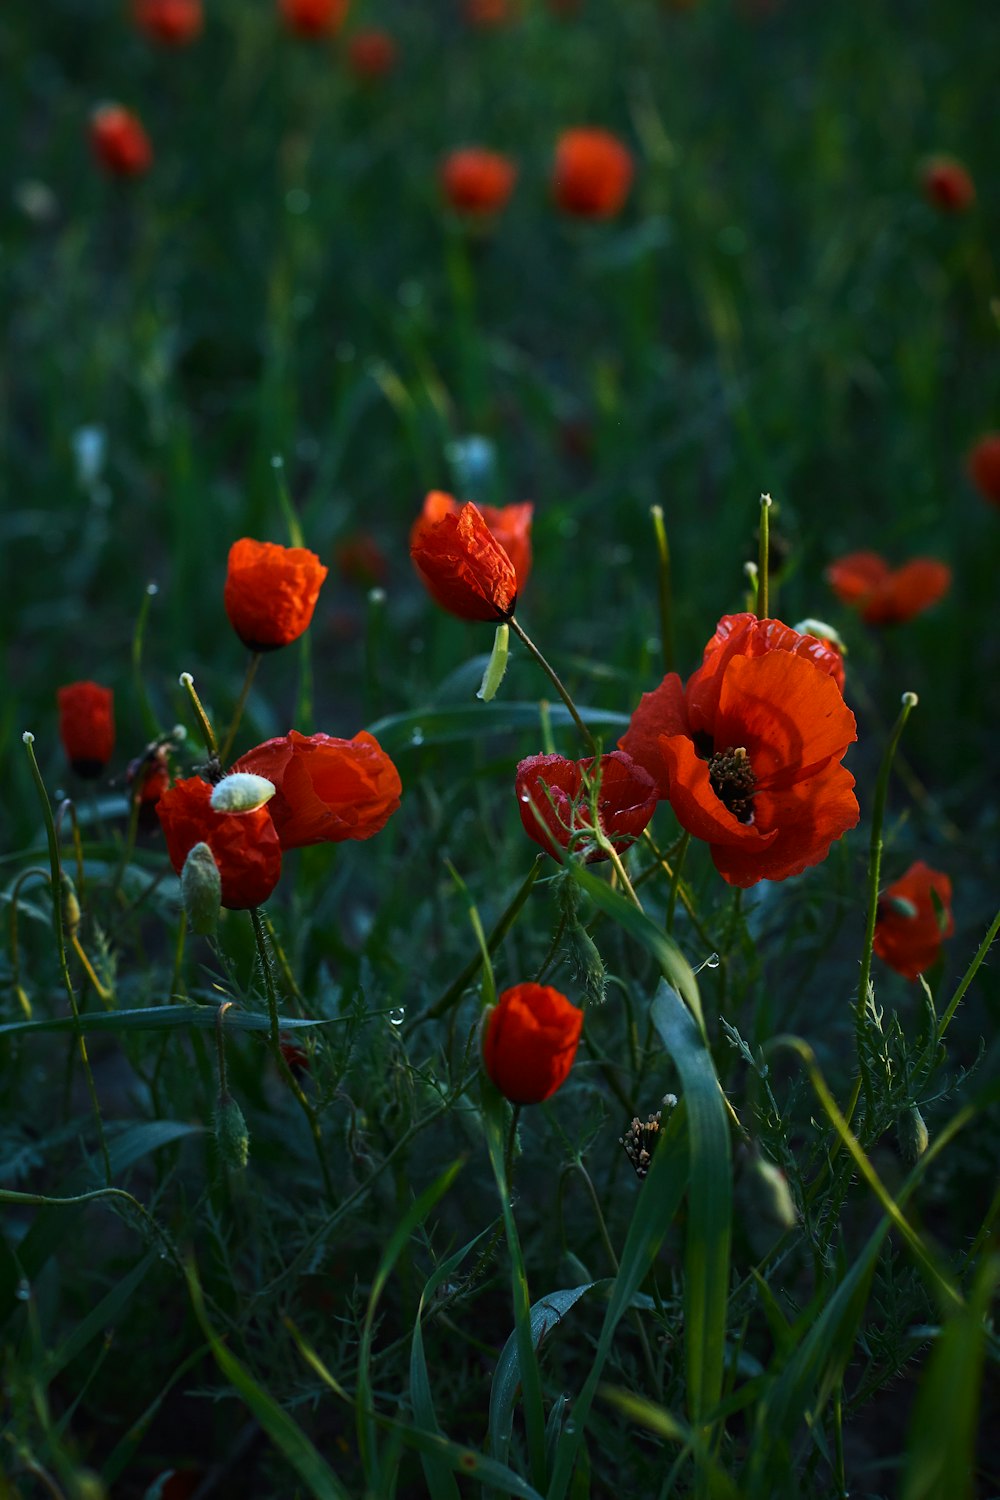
[[57, 909], [279, 1058], [241, 704], [909, 702], [550, 672], [664, 588], [969, 975], [763, 561]]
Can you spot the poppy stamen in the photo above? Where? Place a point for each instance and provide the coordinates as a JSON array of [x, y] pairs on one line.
[[733, 781]]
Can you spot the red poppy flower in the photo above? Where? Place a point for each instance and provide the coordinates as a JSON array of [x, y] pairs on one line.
[[886, 596], [909, 930], [510, 525], [477, 182], [984, 467], [119, 142], [244, 845], [328, 790], [749, 752], [313, 17], [947, 185], [626, 800], [530, 1039], [172, 22], [148, 777], [593, 173], [464, 568], [371, 54], [87, 726], [360, 560], [271, 592]]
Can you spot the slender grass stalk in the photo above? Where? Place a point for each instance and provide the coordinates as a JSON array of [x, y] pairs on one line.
[[763, 562], [458, 986], [664, 587], [138, 641], [204, 723], [241, 704], [550, 672], [58, 920]]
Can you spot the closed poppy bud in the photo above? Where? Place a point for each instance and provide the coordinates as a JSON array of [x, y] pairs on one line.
[[510, 525], [476, 181], [910, 925], [311, 18], [119, 142], [947, 185], [553, 798], [593, 173], [984, 467], [245, 846], [464, 568], [327, 790], [912, 1135], [171, 22], [201, 890], [87, 726], [530, 1039], [884, 595], [371, 54], [231, 1133], [271, 592]]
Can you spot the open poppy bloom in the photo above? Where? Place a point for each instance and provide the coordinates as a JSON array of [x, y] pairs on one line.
[[87, 726], [558, 789], [510, 525], [947, 185], [326, 790], [530, 1039], [245, 846], [463, 566], [476, 181], [313, 17], [119, 142], [749, 752], [593, 173], [984, 467], [884, 595], [909, 928], [371, 54], [271, 592], [172, 22]]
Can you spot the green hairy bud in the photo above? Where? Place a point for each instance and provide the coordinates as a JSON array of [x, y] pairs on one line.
[[201, 888]]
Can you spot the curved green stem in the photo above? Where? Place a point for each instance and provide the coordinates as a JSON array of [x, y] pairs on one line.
[[550, 672], [241, 704]]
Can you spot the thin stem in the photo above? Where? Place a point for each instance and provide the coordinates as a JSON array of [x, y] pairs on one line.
[[204, 723], [763, 558], [103, 994], [220, 1049], [664, 587], [57, 907], [241, 704], [675, 881], [609, 1251], [969, 975], [278, 1055], [550, 672]]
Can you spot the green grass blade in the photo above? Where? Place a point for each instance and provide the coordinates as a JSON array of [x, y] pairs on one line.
[[657, 1419], [163, 1018], [441, 726]]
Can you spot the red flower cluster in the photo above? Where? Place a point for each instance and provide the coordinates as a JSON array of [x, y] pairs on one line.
[[313, 18], [371, 54], [749, 752], [271, 592], [557, 788], [87, 726], [174, 23], [530, 1039], [909, 930], [477, 182], [593, 173], [984, 467], [887, 596], [463, 566], [327, 789], [119, 142], [947, 185]]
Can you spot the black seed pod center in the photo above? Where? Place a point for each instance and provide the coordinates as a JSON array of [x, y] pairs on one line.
[[733, 781]]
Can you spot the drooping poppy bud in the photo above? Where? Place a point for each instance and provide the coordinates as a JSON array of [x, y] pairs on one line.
[[313, 18], [984, 467], [593, 173], [554, 801], [510, 525], [464, 568], [119, 141], [909, 925], [271, 592], [231, 1133], [327, 790], [476, 181], [530, 1039], [245, 846], [87, 726], [884, 595], [173, 23], [201, 890], [912, 1135], [947, 185], [371, 54]]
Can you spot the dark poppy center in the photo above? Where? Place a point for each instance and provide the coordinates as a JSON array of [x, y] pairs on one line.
[[733, 781]]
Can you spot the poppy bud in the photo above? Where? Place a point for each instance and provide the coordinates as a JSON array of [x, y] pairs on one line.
[[201, 890], [530, 1039], [241, 792], [947, 185], [244, 846], [912, 1135], [463, 567], [119, 141], [231, 1133], [371, 54], [271, 592], [313, 18], [592, 174], [554, 801], [87, 726], [477, 182], [173, 23]]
